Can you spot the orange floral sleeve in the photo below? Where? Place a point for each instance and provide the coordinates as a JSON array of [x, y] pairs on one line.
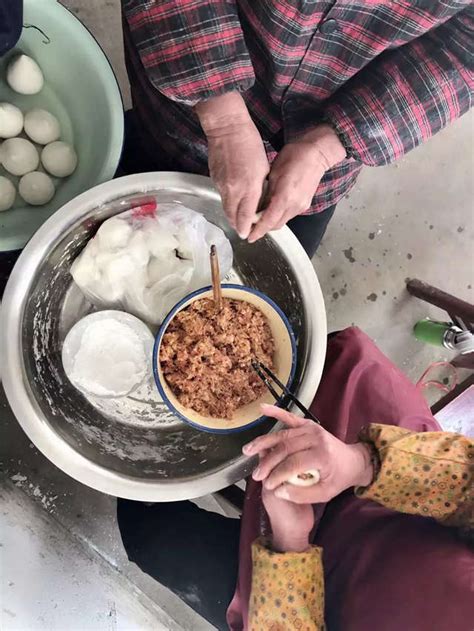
[[429, 473], [287, 590]]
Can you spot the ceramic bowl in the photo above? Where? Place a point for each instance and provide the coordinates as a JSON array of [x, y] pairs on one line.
[[284, 361]]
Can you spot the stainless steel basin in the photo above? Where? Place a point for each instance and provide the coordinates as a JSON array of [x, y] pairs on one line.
[[138, 451]]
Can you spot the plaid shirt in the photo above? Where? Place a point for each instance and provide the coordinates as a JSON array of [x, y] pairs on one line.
[[386, 74]]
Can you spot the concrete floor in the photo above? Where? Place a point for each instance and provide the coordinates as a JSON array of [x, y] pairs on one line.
[[62, 580], [411, 219]]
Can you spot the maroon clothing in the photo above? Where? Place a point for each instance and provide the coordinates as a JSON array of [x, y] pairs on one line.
[[386, 75], [383, 570]]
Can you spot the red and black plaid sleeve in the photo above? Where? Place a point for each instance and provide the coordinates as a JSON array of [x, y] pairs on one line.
[[191, 50], [407, 95]]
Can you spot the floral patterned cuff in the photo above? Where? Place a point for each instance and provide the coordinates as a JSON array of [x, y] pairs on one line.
[[287, 589]]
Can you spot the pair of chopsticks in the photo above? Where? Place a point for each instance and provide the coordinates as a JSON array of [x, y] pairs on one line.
[[312, 476], [266, 375]]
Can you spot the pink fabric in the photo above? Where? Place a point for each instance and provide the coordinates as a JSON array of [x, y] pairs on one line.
[[383, 570]]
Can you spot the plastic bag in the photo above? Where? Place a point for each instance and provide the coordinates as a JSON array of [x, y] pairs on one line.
[[144, 263]]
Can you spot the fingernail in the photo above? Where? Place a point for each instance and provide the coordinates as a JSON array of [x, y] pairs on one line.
[[256, 473], [246, 449], [282, 493]]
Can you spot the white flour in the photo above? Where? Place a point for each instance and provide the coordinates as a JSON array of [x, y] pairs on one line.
[[110, 360]]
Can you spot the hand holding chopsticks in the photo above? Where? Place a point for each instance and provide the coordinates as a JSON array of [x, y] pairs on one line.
[[310, 477]]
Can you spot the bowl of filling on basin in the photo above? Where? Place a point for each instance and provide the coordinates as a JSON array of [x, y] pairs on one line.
[[203, 357]]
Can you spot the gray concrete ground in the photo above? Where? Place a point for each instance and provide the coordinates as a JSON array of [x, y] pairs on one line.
[[411, 219], [62, 579], [63, 565]]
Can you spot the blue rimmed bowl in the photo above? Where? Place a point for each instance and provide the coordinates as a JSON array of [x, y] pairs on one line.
[[284, 361]]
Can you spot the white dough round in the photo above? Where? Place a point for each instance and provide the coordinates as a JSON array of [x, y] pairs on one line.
[[108, 354], [59, 158], [24, 75], [41, 126], [310, 477], [19, 156], [11, 120], [7, 193], [36, 188]]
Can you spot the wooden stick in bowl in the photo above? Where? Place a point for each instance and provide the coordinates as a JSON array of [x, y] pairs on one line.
[[216, 278]]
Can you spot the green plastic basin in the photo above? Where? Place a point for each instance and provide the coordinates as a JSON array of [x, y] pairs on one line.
[[82, 91]]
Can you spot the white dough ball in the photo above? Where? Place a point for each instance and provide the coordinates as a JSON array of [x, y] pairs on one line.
[[7, 193], [84, 269], [24, 75], [137, 249], [114, 233], [11, 120], [19, 156], [36, 188], [160, 241], [41, 126], [59, 158]]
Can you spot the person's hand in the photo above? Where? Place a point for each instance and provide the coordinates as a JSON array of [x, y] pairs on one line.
[[291, 523], [302, 447], [294, 177], [238, 162]]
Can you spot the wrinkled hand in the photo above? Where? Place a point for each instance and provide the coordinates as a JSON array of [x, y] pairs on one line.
[[238, 162], [291, 523], [302, 447], [295, 175]]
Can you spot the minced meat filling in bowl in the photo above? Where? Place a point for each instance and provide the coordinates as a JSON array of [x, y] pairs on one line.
[[206, 355]]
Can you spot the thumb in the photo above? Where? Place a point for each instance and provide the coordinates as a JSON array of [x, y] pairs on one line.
[[289, 419], [301, 495]]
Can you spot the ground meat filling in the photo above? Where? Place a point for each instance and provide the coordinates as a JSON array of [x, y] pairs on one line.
[[205, 356]]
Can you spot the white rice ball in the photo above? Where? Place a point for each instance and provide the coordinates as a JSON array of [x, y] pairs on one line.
[[36, 188], [11, 120], [19, 156], [7, 193], [59, 158], [24, 75], [41, 126]]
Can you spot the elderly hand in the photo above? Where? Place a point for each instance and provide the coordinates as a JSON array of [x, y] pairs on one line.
[[307, 446], [291, 523], [295, 176], [238, 162]]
